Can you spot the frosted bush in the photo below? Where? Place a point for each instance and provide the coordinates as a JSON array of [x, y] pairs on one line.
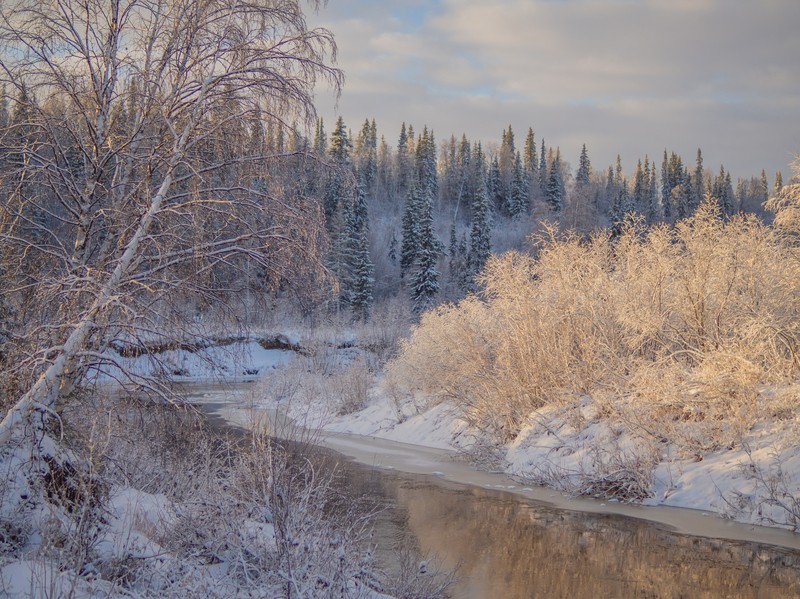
[[678, 331]]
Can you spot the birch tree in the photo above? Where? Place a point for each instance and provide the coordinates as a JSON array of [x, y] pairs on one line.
[[126, 182]]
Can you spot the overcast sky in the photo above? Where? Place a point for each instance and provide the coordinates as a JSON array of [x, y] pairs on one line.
[[622, 76]]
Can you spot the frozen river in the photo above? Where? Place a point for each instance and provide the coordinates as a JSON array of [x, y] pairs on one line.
[[507, 540]]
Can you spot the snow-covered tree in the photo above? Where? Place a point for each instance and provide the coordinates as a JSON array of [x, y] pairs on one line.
[[410, 229], [554, 192], [480, 233], [424, 283], [583, 176], [340, 144], [145, 93], [518, 200], [778, 183]]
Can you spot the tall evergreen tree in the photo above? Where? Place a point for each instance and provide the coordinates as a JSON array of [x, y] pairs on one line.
[[340, 144], [410, 229], [480, 232], [764, 186], [366, 152], [554, 192], [584, 173], [531, 166], [357, 276], [333, 196], [698, 182], [722, 191], [529, 157], [494, 186], [639, 188], [666, 189], [680, 201], [518, 204], [543, 174], [404, 166], [363, 280], [425, 278], [620, 207], [426, 162], [652, 192]]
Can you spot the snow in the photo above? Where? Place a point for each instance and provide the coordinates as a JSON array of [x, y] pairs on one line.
[[240, 361], [436, 427], [24, 579], [554, 449], [711, 495]]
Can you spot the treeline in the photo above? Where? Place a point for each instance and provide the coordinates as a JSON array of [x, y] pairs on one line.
[[438, 210], [415, 217]]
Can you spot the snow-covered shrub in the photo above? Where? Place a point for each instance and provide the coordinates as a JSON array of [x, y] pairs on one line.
[[150, 502], [350, 387], [683, 333]]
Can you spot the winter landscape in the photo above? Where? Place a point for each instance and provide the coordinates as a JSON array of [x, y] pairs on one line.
[[263, 333]]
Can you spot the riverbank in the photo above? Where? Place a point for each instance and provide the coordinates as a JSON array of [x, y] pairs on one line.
[[450, 464], [501, 543], [334, 390]]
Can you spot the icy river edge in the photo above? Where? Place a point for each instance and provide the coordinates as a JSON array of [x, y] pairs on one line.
[[231, 404]]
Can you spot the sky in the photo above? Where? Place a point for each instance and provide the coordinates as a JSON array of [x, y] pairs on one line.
[[628, 77]]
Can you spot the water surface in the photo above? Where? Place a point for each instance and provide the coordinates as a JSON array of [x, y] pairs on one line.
[[510, 545]]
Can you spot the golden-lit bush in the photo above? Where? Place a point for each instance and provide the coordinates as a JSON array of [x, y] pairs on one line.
[[676, 330]]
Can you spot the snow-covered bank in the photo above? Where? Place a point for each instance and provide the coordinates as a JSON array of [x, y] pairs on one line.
[[141, 500], [757, 482], [230, 358], [574, 451], [371, 443]]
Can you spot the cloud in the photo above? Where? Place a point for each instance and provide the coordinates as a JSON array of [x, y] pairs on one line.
[[634, 75]]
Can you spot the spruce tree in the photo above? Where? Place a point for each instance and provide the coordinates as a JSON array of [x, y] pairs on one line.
[[680, 201], [425, 278], [530, 159], [639, 188], [698, 182], [410, 230], [519, 190], [554, 192], [619, 207], [666, 187], [543, 168], [764, 188], [464, 165], [457, 252], [778, 183], [363, 280], [403, 167], [333, 197], [480, 232], [584, 173], [340, 144], [652, 192], [366, 151], [494, 187], [531, 166], [357, 280]]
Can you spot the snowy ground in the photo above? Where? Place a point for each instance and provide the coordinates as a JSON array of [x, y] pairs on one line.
[[550, 451], [756, 482], [50, 549], [761, 487]]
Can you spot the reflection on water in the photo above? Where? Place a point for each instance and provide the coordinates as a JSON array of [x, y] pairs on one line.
[[506, 546]]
